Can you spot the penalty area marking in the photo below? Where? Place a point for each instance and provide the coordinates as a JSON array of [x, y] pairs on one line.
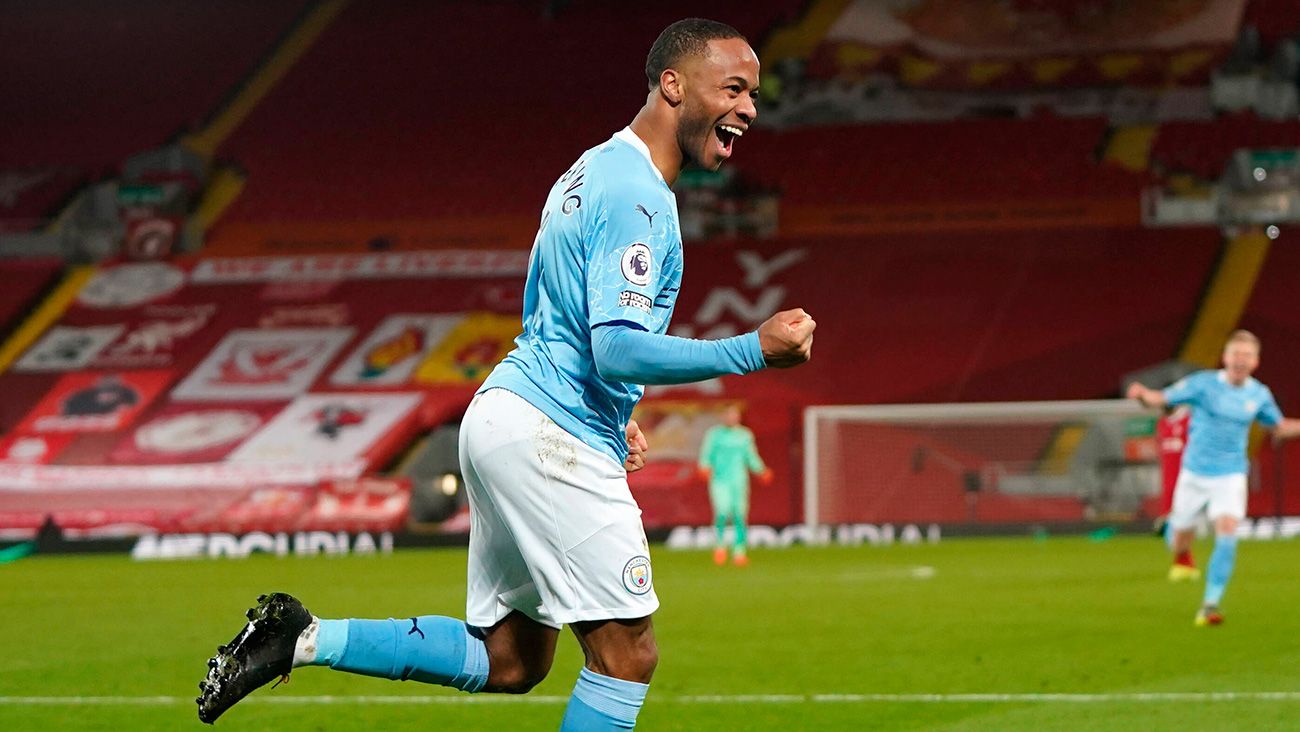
[[977, 698]]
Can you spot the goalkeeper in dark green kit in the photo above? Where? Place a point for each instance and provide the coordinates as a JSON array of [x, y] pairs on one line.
[[727, 457]]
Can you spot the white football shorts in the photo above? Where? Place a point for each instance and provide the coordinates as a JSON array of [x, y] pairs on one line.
[[554, 530], [1219, 495]]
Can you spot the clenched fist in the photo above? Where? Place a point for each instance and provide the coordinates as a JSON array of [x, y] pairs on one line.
[[637, 447], [786, 338]]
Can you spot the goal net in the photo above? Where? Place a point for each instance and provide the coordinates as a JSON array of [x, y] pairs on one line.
[[993, 463]]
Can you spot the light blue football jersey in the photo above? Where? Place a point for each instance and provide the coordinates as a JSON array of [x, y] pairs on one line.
[[1221, 417], [608, 251]]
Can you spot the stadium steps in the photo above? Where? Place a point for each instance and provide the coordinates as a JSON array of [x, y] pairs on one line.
[[800, 39], [1225, 300], [404, 142], [170, 65], [227, 182], [1060, 451], [1203, 147], [1218, 314], [224, 186], [1130, 147], [260, 83], [1272, 315], [45, 314]]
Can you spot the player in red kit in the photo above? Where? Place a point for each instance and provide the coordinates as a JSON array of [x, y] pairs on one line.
[[1171, 436]]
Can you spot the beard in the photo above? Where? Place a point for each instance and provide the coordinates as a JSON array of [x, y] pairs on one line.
[[693, 132]]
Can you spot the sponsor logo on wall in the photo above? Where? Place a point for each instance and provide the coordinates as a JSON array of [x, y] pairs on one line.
[[178, 476], [298, 290], [95, 401], [149, 342], [322, 427], [676, 428], [444, 263], [263, 364], [149, 236], [33, 449], [392, 350], [326, 314], [68, 348], [704, 537], [154, 341], [131, 285], [301, 543], [470, 350], [193, 433]]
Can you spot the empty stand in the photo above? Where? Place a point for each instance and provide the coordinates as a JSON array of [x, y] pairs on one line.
[[1272, 315], [965, 160], [1203, 148], [89, 83], [390, 116]]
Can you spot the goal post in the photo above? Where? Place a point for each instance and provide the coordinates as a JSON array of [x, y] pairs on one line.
[[985, 463]]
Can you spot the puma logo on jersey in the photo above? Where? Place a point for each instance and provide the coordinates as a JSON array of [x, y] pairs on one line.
[[649, 216]]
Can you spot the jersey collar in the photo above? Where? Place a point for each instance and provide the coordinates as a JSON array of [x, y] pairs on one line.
[[629, 137], [1223, 377]]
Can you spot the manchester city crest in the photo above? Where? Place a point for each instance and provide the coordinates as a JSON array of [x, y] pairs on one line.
[[636, 575]]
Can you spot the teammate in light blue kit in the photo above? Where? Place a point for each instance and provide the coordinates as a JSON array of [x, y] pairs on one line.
[[546, 445], [1213, 477]]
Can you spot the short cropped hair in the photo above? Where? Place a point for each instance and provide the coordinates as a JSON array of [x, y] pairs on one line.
[[1242, 336], [688, 37]]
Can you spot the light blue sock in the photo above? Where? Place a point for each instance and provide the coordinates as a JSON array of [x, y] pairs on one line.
[[431, 649], [602, 703], [1219, 570]]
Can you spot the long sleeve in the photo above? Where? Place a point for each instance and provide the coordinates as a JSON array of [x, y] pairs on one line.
[[631, 355], [708, 447], [752, 459]]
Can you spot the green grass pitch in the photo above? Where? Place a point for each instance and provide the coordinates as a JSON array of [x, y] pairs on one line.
[[763, 647]]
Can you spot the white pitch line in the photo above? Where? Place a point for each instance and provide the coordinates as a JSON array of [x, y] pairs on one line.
[[973, 698]]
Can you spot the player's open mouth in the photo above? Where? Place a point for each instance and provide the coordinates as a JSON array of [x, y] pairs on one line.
[[727, 135]]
